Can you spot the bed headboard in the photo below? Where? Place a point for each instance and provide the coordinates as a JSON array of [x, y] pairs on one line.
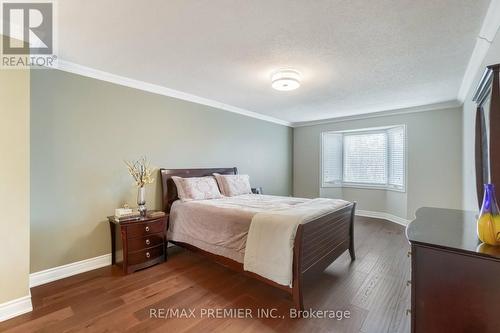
[[169, 190]]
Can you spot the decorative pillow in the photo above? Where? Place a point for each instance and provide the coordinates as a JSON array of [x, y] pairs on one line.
[[232, 185], [196, 188]]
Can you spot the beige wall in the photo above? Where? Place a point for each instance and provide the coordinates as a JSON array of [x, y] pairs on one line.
[[81, 131], [14, 180], [469, 109], [434, 163]]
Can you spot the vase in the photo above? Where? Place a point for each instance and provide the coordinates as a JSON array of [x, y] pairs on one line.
[[488, 222], [141, 200]]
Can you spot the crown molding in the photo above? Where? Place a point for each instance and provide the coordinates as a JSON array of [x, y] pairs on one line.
[[70, 67], [486, 35], [421, 108], [489, 29], [74, 68]]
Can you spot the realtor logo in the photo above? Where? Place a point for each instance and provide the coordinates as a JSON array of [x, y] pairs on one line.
[[28, 34]]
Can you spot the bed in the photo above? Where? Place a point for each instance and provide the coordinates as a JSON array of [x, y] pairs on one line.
[[317, 242]]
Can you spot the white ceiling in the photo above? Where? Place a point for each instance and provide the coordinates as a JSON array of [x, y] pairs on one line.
[[356, 56]]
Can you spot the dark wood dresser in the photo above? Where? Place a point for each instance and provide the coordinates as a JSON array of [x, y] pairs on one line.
[[455, 279], [138, 244]]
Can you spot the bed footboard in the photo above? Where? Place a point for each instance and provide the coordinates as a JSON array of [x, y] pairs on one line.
[[318, 243]]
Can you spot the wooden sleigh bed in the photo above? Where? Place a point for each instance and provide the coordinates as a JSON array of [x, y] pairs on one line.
[[318, 243]]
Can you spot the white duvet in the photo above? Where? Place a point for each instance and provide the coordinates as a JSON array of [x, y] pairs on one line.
[[270, 240], [256, 230]]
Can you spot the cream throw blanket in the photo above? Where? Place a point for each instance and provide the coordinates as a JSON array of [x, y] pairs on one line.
[[269, 246]]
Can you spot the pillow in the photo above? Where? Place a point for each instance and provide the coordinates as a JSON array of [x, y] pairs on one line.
[[232, 185], [196, 188]]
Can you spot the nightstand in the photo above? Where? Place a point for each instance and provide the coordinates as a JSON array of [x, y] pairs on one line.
[[138, 244]]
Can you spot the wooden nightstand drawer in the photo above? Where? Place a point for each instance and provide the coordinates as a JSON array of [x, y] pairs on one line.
[[138, 244], [145, 229], [145, 255], [141, 243]]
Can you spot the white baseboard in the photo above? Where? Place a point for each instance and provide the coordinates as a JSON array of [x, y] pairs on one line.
[[15, 307], [384, 216], [60, 272]]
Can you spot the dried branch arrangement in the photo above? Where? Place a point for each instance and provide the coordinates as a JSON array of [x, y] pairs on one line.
[[141, 171]]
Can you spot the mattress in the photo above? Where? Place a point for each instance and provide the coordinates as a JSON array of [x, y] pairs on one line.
[[220, 226]]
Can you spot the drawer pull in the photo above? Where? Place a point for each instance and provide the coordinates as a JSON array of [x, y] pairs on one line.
[[147, 228], [408, 283], [148, 242], [408, 311], [148, 255]]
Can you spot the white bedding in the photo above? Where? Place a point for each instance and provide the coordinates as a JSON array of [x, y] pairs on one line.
[[270, 241], [221, 226]]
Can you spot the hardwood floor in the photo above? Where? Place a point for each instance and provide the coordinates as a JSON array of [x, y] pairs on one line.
[[373, 289]]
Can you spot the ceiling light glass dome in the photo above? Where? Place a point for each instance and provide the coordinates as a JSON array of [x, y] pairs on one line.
[[285, 79]]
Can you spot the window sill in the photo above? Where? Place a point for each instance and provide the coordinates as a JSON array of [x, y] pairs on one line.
[[365, 187]]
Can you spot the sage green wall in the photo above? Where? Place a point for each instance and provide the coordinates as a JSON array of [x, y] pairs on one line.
[[434, 163], [81, 131]]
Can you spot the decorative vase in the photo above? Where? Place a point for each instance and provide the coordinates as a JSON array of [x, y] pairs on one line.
[[488, 222], [141, 200]]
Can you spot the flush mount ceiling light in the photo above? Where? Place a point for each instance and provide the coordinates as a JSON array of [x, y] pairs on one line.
[[285, 79]]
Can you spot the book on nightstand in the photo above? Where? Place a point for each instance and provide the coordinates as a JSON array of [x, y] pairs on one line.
[[135, 215], [127, 218], [155, 213], [126, 214]]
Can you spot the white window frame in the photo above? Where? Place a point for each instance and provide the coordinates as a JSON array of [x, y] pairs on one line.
[[387, 186]]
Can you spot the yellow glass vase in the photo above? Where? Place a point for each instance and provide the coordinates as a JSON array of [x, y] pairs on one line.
[[488, 222]]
